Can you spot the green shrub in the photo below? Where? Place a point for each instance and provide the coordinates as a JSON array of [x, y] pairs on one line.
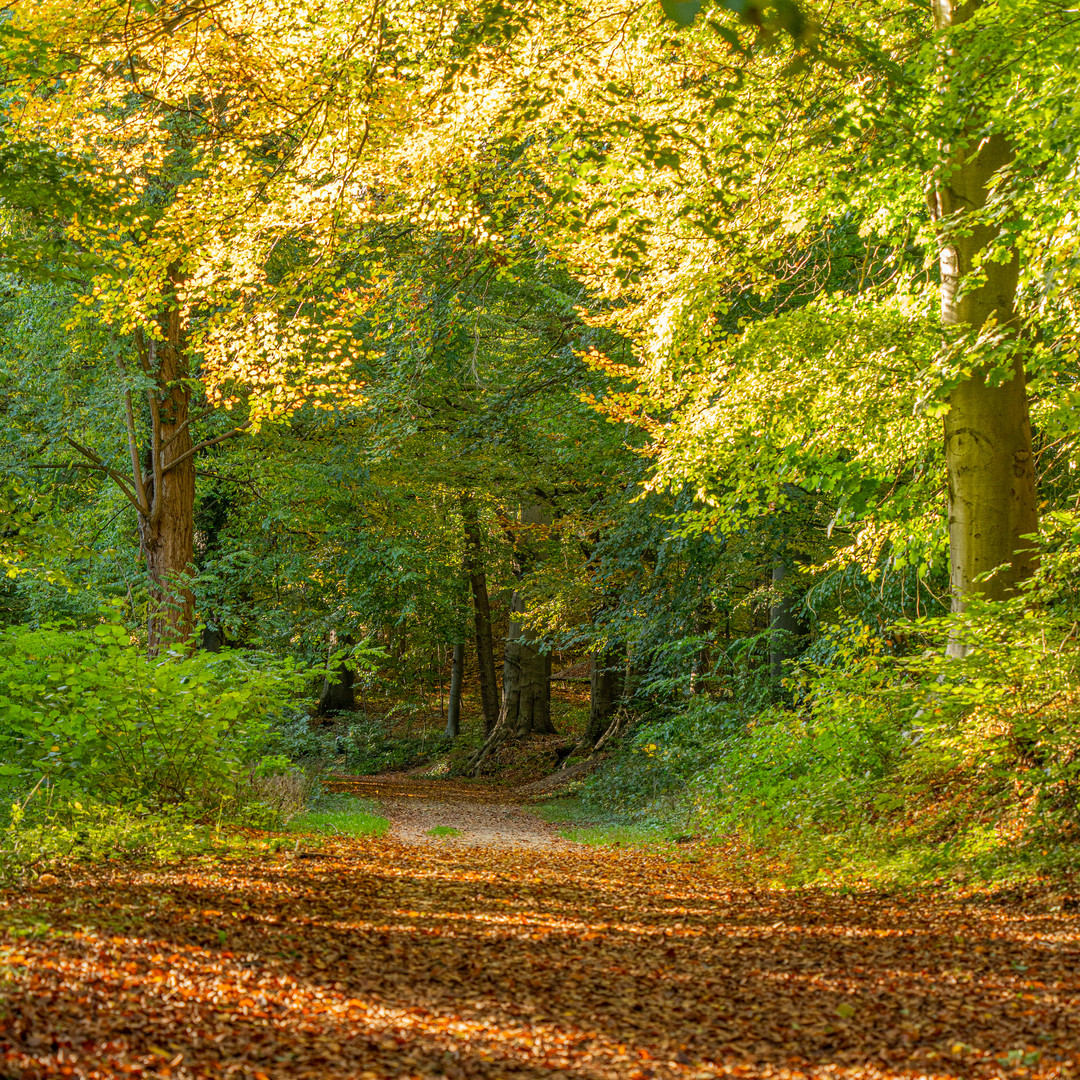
[[898, 759], [662, 757], [370, 750], [89, 712], [292, 735], [43, 831]]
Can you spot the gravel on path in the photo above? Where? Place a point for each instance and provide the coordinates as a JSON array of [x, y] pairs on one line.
[[483, 815]]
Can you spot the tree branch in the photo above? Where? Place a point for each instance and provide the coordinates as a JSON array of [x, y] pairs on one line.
[[205, 443], [133, 439], [97, 465], [133, 447], [190, 420]]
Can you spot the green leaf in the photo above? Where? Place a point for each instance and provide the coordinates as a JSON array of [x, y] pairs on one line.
[[681, 12]]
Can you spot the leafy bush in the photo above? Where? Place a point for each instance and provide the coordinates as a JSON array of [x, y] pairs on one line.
[[42, 831], [370, 749], [797, 771], [662, 757], [292, 735], [86, 710], [900, 759]]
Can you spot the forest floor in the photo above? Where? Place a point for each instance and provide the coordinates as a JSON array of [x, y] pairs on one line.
[[506, 951]]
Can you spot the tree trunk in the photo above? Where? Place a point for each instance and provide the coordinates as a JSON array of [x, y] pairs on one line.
[[787, 628], [605, 689], [991, 477], [526, 679], [337, 691], [453, 708], [485, 653], [167, 516], [526, 671], [526, 703]]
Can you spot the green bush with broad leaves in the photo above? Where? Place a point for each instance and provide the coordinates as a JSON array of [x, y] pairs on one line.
[[662, 757], [911, 749], [88, 712]]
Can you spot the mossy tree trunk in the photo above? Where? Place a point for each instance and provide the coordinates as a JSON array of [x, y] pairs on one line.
[[988, 452]]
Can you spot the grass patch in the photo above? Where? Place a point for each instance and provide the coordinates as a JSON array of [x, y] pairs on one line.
[[615, 835], [340, 823], [587, 826], [443, 830], [340, 815]]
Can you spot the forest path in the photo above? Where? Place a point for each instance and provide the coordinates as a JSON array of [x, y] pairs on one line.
[[383, 958], [482, 814]]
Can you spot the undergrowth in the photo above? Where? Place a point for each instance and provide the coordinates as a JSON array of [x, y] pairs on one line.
[[376, 746], [893, 766], [340, 815], [38, 839]]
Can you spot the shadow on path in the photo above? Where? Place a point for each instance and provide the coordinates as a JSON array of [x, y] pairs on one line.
[[390, 959]]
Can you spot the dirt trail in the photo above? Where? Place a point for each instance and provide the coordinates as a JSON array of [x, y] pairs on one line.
[[390, 959], [484, 816]]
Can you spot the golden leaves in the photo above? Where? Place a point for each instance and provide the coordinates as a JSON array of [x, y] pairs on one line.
[[392, 960]]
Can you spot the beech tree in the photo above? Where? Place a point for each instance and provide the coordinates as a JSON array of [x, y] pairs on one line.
[[753, 206], [193, 145], [988, 452]]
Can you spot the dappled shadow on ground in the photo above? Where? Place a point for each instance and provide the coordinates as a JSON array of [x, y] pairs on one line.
[[383, 959]]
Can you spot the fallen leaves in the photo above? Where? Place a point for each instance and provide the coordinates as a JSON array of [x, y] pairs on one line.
[[390, 960]]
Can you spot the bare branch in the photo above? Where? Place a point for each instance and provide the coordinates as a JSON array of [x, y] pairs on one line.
[[190, 420], [208, 442], [97, 465]]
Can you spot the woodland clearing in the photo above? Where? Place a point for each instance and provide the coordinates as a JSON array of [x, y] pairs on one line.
[[413, 956]]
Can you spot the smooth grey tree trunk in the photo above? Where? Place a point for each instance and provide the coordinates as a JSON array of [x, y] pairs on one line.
[[526, 700], [485, 651], [453, 706], [606, 671], [526, 679], [526, 703], [988, 453]]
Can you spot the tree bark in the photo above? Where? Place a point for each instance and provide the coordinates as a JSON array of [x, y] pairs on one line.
[[526, 670], [485, 652], [453, 707], [605, 689], [526, 703], [991, 476], [167, 517], [337, 691], [787, 628], [526, 679]]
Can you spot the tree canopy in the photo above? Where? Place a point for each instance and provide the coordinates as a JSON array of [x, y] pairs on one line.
[[719, 356]]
